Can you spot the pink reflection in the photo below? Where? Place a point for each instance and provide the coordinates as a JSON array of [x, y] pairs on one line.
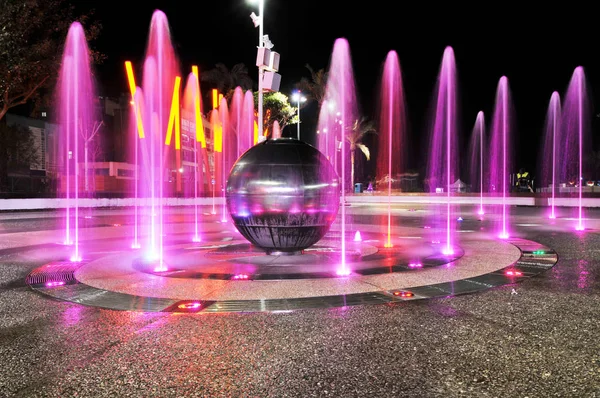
[[583, 280], [72, 315], [343, 271]]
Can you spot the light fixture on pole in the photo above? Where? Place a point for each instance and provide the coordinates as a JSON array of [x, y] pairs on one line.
[[259, 22], [298, 97], [267, 62]]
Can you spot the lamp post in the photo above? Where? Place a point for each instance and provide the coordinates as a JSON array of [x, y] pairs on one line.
[[298, 98], [259, 21]]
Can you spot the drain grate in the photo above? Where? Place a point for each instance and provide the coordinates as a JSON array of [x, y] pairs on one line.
[[58, 271]]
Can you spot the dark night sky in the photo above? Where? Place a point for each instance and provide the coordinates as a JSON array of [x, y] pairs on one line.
[[536, 47]]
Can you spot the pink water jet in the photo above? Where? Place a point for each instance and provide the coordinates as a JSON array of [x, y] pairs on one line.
[[161, 67], [552, 133], [575, 137], [247, 133], [442, 167], [228, 152], [76, 119], [476, 145], [500, 160], [193, 132], [338, 113], [391, 154]]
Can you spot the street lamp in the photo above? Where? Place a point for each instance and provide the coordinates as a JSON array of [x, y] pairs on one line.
[[267, 62], [259, 21], [298, 98]]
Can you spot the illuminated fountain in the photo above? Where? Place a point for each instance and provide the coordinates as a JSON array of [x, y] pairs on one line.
[[228, 150], [575, 136], [160, 86], [500, 160], [217, 128], [76, 94], [392, 128], [442, 167], [339, 113], [551, 139], [476, 145], [283, 195], [193, 128]]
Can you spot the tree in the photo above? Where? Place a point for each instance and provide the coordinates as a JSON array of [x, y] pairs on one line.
[[276, 108], [359, 129], [88, 134], [225, 80], [32, 35], [315, 88], [17, 150]]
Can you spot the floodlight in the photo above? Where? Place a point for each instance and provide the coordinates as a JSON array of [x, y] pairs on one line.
[[255, 19]]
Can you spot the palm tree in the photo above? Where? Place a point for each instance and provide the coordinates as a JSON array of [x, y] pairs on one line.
[[357, 132], [315, 88], [225, 80]]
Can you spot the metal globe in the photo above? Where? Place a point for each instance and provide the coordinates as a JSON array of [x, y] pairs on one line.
[[283, 195]]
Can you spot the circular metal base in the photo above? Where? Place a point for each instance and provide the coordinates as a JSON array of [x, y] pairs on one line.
[[280, 253], [113, 282]]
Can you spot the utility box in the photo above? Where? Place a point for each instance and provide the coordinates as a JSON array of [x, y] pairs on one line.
[[263, 57], [271, 81], [274, 61], [358, 187]]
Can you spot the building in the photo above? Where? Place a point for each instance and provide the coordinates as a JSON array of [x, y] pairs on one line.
[[108, 154], [45, 160]]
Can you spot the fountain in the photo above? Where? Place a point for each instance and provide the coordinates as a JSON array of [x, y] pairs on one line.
[[575, 137], [551, 138], [157, 119], [249, 132], [500, 160], [391, 157], [442, 167], [476, 145], [339, 112], [227, 153], [76, 93], [217, 128], [236, 114], [193, 131], [283, 195]]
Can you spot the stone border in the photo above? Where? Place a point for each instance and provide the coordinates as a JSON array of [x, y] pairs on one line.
[[534, 259]]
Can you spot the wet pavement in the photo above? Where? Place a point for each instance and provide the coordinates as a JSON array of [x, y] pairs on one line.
[[536, 338]]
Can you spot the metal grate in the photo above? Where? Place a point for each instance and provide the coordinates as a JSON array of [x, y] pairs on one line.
[[58, 271]]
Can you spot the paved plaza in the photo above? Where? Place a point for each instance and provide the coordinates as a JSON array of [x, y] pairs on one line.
[[293, 329]]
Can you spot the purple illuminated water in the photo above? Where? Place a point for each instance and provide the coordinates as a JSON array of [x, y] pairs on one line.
[[476, 145], [217, 128], [135, 117], [500, 160], [76, 93], [228, 151], [442, 166], [338, 113], [237, 121], [276, 130], [391, 153], [249, 138], [575, 137], [192, 127], [160, 70], [550, 147]]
